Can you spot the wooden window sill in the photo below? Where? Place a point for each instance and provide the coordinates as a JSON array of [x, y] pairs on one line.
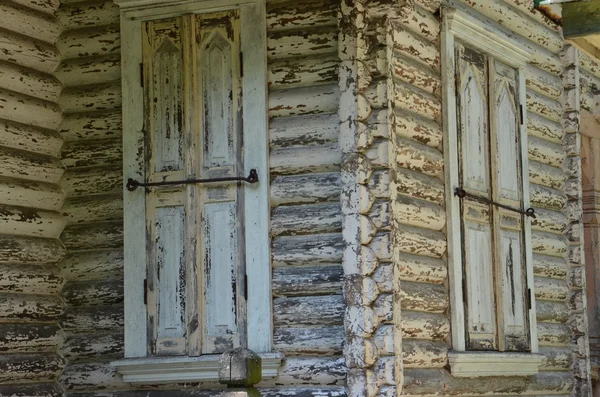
[[478, 364], [152, 370]]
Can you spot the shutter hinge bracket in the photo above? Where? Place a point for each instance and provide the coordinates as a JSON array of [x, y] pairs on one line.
[[141, 74], [145, 291], [241, 64]]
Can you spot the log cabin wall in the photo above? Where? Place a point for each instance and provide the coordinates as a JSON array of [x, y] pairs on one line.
[[30, 200]]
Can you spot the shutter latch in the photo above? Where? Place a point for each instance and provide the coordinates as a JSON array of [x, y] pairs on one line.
[[252, 177]]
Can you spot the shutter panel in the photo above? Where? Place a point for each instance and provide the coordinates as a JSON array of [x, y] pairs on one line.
[[511, 273], [472, 80], [220, 126]]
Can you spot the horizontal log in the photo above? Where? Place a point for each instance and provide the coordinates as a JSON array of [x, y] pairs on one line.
[[304, 100], [419, 20], [306, 219], [415, 47], [543, 82], [549, 221], [295, 43], [536, 15], [93, 293], [29, 82], [543, 106], [307, 250], [378, 155], [92, 209], [91, 42], [30, 194], [93, 319], [418, 185], [381, 247], [22, 221], [300, 15], [421, 269], [411, 126], [587, 98], [551, 312], [543, 128], [92, 376], [96, 346], [551, 289], [375, 95], [379, 216], [30, 308], [545, 197], [415, 240], [271, 391], [30, 250], [408, 71], [589, 63], [416, 212], [85, 182], [310, 371], [553, 334], [384, 277], [420, 325], [24, 51], [88, 15], [546, 175], [27, 22], [549, 266], [29, 166], [44, 6], [105, 235], [548, 244], [24, 338], [417, 157], [33, 367], [308, 159], [96, 265], [303, 72], [313, 340], [555, 358], [300, 189], [86, 71], [30, 279], [97, 97], [23, 109], [545, 152], [309, 310], [30, 138], [424, 354], [416, 101], [423, 297], [51, 389], [93, 125], [307, 280], [105, 152], [306, 130]]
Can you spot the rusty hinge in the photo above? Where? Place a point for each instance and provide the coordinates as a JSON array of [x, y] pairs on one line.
[[145, 291], [141, 74], [241, 64]]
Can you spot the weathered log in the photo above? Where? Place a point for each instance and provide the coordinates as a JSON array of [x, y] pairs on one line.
[[30, 308], [409, 71], [381, 246], [413, 127], [549, 266], [536, 15], [549, 221], [304, 100], [376, 94], [304, 130], [308, 159], [587, 98], [93, 209], [309, 310], [105, 235], [310, 188], [384, 308], [302, 72], [192, 391], [96, 265], [313, 340], [30, 250], [415, 240], [92, 376], [551, 289], [93, 125], [424, 297], [29, 23], [553, 334], [543, 128], [545, 152], [307, 280], [295, 43], [310, 371], [30, 279], [307, 250], [106, 96], [424, 354], [418, 185], [543, 106], [419, 21], [545, 197], [555, 358], [33, 367], [416, 212], [421, 269], [551, 312], [417, 101], [543, 82], [300, 15], [548, 244], [418, 157], [93, 319], [96, 346], [93, 293], [415, 47], [87, 15], [28, 52], [22, 221], [420, 325], [546, 175], [93, 153], [29, 82], [86, 71], [31, 194], [29, 166], [24, 338], [378, 155], [92, 181], [90, 42], [305, 219], [28, 110], [29, 138], [589, 63]]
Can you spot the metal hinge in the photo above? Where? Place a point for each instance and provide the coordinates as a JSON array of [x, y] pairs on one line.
[[246, 287], [141, 74], [529, 298], [241, 64], [521, 113], [145, 291]]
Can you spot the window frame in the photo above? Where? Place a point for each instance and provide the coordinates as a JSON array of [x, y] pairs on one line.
[[478, 32], [255, 136]]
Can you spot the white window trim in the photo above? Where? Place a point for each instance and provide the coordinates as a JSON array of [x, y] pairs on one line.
[[256, 197], [474, 29]]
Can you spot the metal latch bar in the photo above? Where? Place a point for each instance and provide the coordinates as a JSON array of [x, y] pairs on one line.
[[461, 193], [252, 177]]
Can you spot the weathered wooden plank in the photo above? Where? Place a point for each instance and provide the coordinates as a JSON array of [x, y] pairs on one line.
[[313, 340], [93, 319], [545, 197], [29, 166], [549, 221], [30, 279], [29, 82], [420, 325], [29, 53], [548, 244], [421, 269], [316, 41], [93, 153], [30, 308], [33, 367], [88, 14], [97, 346], [92, 376], [22, 221], [411, 72], [96, 265], [546, 175], [27, 22], [424, 297], [589, 63], [416, 101], [93, 293], [415, 47], [105, 235], [31, 194], [551, 289], [545, 152], [92, 181], [414, 240], [311, 188], [97, 97], [45, 6], [543, 106], [419, 20], [417, 212], [424, 354], [28, 110], [29, 138], [34, 250], [551, 312], [411, 126], [307, 250], [304, 100], [95, 125], [302, 72], [91, 42], [527, 8], [553, 334], [543, 82], [549, 266], [307, 280], [309, 159], [305, 219], [327, 310], [86, 71], [555, 358], [417, 157], [414, 184], [23, 338], [93, 209], [304, 130], [300, 15], [311, 371], [294, 391]]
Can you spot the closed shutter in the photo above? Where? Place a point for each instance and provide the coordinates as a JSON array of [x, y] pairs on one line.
[[195, 233]]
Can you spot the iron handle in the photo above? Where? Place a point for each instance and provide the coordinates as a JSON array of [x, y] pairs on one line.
[[461, 193], [252, 177]]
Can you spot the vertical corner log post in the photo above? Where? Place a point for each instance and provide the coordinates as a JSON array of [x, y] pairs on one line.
[[578, 321]]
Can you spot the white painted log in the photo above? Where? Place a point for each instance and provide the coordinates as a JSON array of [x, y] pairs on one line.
[[95, 265], [549, 266], [413, 127], [29, 82], [27, 110], [543, 106], [416, 212], [415, 47], [549, 221], [22, 221], [88, 15], [24, 338], [422, 269], [381, 247], [304, 100], [424, 297], [30, 279], [419, 102], [52, 389], [418, 185], [307, 250], [307, 280], [29, 138], [96, 125], [545, 197], [543, 128], [93, 209], [29, 23], [105, 235], [589, 64], [543, 82], [311, 188], [327, 310], [30, 308], [555, 358], [33, 367], [383, 276], [297, 160], [548, 244], [93, 293], [95, 97], [93, 319], [420, 325], [30, 250], [538, 16], [551, 312], [303, 72], [419, 21], [313, 340], [551, 289], [424, 354], [92, 181], [376, 94], [29, 53], [93, 347], [384, 308], [304, 130], [418, 157], [409, 71], [92, 376], [28, 166], [86, 71], [379, 184], [553, 334], [94, 42], [45, 6], [545, 152], [305, 219], [546, 175], [105, 152], [310, 371], [587, 98], [414, 240], [302, 43], [300, 15]]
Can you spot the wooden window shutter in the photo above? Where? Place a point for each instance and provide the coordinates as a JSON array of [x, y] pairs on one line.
[[195, 232]]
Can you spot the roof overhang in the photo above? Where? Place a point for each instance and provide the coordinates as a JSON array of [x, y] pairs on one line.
[[579, 17]]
